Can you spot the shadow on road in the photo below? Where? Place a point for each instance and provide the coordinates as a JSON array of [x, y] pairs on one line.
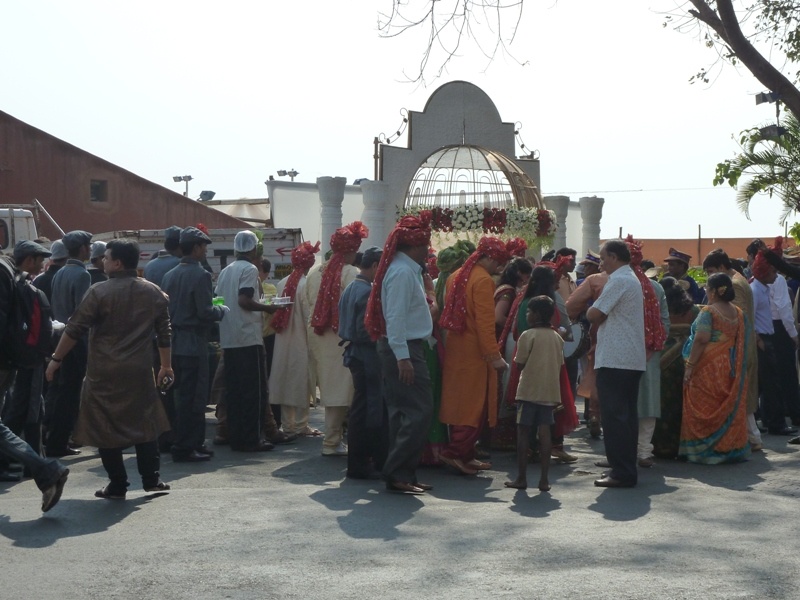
[[71, 518], [629, 504], [372, 514], [533, 503]]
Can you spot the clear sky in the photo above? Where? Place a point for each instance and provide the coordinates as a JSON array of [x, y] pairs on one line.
[[232, 92]]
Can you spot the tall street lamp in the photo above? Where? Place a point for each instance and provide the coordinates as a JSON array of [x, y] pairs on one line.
[[186, 178], [292, 174]]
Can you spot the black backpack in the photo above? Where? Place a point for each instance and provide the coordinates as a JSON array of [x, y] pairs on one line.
[[29, 329]]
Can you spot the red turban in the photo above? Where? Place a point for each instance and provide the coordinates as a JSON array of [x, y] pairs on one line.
[[302, 259], [348, 238], [454, 314], [326, 310], [655, 333], [516, 247], [761, 267], [409, 231]]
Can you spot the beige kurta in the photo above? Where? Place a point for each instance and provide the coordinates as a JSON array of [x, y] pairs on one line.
[[120, 406], [333, 378], [290, 379], [744, 300]]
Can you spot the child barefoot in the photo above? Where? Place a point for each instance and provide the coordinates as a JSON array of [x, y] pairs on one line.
[[539, 356]]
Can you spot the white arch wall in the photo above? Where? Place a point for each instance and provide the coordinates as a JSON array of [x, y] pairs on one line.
[[456, 113]]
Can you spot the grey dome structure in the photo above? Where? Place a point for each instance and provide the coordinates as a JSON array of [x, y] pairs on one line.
[[460, 175]]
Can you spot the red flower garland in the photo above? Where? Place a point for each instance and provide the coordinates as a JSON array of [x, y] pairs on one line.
[[654, 332], [302, 259], [326, 309]]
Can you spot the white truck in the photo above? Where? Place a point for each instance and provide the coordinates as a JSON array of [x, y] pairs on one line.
[[278, 244], [18, 222]]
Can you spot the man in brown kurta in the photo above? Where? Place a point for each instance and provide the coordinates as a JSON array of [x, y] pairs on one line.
[[119, 400]]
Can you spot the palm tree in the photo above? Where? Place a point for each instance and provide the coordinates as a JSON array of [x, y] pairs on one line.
[[770, 165]]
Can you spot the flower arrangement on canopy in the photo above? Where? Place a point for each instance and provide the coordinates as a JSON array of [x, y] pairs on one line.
[[536, 226]]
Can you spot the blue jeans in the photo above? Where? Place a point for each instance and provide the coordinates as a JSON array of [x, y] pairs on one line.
[[45, 471]]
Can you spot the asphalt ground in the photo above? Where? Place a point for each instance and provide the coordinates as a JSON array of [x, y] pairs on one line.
[[287, 525]]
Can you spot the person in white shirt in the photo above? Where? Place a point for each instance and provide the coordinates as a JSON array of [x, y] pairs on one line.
[[620, 360]]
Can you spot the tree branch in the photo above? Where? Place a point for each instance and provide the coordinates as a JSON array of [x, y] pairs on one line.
[[759, 66]]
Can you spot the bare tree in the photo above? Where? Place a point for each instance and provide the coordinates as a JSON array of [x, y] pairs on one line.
[[734, 28], [491, 25]]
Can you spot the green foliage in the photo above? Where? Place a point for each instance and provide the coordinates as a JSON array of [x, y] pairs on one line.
[[698, 275], [778, 22], [766, 165], [794, 231]]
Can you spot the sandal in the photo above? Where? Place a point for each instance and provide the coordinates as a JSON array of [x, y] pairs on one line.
[[107, 494], [310, 432], [403, 487], [159, 487]]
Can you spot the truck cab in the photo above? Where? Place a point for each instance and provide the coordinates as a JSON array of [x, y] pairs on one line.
[[16, 224]]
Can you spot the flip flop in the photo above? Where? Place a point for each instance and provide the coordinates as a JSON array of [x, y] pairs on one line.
[[310, 432]]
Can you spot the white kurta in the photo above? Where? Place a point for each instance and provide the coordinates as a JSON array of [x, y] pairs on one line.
[[333, 378], [290, 379]]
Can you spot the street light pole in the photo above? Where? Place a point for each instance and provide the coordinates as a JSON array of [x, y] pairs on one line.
[[186, 178], [292, 174]]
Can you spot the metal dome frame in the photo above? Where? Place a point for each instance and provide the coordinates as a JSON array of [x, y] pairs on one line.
[[463, 174]]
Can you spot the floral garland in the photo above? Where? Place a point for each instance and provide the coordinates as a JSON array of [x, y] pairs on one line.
[[536, 226]]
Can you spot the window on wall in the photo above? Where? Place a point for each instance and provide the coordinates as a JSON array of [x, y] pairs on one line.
[[98, 191]]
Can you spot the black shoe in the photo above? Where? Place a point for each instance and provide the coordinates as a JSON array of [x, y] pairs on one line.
[[260, 447], [785, 431], [107, 493], [192, 456], [62, 452], [205, 450], [52, 494]]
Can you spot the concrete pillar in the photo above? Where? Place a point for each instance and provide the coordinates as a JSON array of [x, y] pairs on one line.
[[331, 195], [376, 205], [560, 206], [591, 213]]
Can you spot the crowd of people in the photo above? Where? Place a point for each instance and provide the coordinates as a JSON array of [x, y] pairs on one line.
[[418, 358]]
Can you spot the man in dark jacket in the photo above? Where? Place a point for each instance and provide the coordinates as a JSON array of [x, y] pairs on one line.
[[58, 258], [63, 395], [367, 433], [24, 411], [49, 474], [192, 314]]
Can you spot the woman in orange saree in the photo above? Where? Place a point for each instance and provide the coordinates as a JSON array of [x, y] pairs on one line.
[[714, 425]]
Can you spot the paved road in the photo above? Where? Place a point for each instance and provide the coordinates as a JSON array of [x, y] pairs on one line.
[[287, 525]]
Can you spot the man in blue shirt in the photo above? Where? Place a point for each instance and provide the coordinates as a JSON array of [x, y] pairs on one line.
[[367, 438], [167, 259], [192, 315], [63, 395], [770, 382], [399, 313]]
